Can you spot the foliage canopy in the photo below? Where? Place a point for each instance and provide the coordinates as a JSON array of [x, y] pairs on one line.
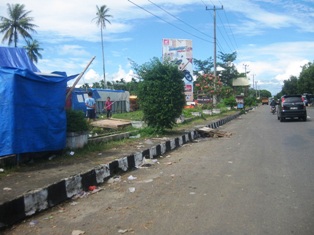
[[18, 23], [160, 93]]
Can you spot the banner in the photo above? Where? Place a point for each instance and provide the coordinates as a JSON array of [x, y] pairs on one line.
[[179, 51]]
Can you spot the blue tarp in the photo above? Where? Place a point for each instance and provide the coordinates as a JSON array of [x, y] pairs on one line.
[[16, 58], [100, 95], [32, 111]]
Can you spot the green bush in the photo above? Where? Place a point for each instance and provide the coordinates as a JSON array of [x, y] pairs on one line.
[[161, 94], [76, 121], [230, 101], [206, 106], [250, 101], [221, 105]]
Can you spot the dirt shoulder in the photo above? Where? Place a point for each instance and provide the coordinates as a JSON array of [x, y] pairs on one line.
[[38, 174]]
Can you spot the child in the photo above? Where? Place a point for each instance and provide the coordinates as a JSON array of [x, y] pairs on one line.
[[108, 107], [91, 107]]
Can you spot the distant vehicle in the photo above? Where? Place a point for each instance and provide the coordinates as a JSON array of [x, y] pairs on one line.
[[291, 106], [265, 100]]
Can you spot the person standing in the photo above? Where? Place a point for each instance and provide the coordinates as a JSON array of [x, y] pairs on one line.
[[108, 107], [90, 107]]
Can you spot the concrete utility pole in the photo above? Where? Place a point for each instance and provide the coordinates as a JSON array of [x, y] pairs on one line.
[[215, 57], [245, 71], [256, 88], [253, 81]]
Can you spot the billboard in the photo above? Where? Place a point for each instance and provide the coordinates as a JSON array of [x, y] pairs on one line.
[[180, 52]]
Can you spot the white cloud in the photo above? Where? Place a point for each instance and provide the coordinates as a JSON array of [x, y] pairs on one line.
[[126, 75]]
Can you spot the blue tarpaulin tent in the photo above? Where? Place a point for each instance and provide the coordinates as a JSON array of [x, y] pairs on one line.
[[16, 58], [32, 108], [120, 98]]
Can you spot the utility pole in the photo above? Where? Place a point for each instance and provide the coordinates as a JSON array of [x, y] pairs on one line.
[[253, 81], [245, 66], [256, 88], [215, 56]]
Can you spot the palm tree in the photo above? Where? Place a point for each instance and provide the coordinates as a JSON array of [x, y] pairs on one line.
[[101, 19], [33, 49], [17, 23]]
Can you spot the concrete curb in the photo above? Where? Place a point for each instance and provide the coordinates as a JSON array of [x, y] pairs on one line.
[[35, 201]]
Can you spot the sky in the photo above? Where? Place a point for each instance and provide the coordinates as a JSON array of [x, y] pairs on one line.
[[273, 39]]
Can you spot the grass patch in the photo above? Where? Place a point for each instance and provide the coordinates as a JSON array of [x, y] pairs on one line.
[[133, 116]]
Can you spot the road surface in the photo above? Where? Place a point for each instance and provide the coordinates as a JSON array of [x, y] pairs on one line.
[[258, 181]]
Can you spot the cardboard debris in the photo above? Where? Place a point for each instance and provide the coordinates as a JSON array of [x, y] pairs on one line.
[[210, 132]]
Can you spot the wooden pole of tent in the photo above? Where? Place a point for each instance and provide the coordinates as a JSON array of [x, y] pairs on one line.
[[78, 78]]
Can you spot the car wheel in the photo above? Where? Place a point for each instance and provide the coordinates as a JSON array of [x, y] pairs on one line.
[[304, 118], [281, 119]]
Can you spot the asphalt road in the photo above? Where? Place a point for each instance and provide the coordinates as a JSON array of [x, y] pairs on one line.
[[258, 181]]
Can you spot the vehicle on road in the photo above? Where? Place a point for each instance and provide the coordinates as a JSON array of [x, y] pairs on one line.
[[291, 106], [273, 109], [265, 100]]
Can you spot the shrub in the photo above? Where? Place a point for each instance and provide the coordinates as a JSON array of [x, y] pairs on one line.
[[161, 94], [76, 121], [231, 101]]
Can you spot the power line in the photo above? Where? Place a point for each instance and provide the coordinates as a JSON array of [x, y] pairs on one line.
[[229, 43], [226, 34], [180, 19], [236, 45], [169, 22]]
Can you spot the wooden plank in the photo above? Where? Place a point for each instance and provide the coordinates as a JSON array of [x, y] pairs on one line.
[[110, 123]]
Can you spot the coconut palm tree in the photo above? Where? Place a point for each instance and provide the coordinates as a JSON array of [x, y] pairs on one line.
[[17, 23], [33, 49], [101, 19]]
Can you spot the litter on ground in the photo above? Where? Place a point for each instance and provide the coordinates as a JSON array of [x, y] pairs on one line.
[[215, 133]]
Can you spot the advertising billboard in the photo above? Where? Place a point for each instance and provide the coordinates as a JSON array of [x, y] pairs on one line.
[[180, 52]]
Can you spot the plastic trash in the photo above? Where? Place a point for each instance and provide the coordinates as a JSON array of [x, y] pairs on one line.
[[1, 170], [92, 188], [33, 223], [135, 136], [71, 153], [7, 189], [131, 177], [51, 157], [148, 162], [132, 189], [114, 179], [122, 231], [78, 232]]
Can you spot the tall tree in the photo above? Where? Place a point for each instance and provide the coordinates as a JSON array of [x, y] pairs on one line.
[[203, 66], [306, 79], [101, 19], [229, 71], [290, 86], [17, 23], [32, 48]]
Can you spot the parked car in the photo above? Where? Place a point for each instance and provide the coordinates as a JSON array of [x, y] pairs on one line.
[[291, 106]]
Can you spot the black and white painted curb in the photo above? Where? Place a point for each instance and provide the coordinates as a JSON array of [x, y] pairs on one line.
[[41, 199]]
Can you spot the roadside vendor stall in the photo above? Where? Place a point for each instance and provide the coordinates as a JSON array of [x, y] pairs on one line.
[[240, 101]]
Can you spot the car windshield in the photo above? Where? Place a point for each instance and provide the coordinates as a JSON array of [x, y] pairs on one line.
[[293, 99]]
